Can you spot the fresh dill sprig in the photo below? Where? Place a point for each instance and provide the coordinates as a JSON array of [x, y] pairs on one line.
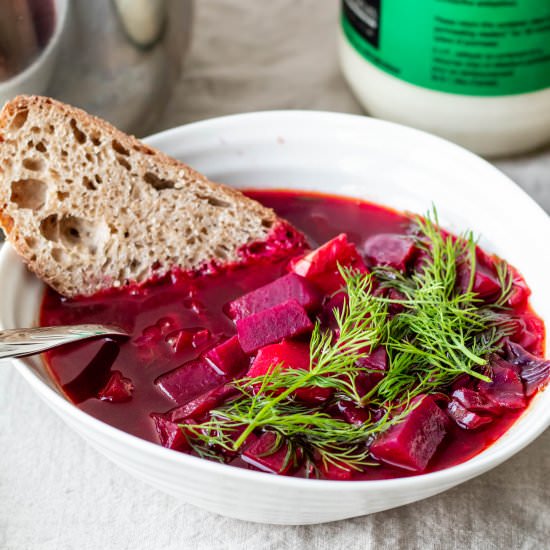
[[441, 333], [267, 401]]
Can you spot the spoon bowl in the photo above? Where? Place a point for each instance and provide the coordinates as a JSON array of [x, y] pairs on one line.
[[22, 342]]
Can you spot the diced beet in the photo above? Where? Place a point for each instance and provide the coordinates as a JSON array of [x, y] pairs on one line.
[[475, 401], [229, 454], [465, 418], [388, 249], [505, 388], [203, 403], [289, 287], [321, 265], [485, 284], [353, 414], [396, 306], [412, 443], [520, 291], [325, 258], [170, 434], [529, 333], [271, 325], [314, 395], [326, 316], [421, 261], [260, 455], [288, 354], [118, 389], [189, 381], [534, 371], [376, 361], [227, 357], [332, 281], [463, 381]]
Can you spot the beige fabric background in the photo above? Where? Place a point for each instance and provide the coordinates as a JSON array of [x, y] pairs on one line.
[[56, 493]]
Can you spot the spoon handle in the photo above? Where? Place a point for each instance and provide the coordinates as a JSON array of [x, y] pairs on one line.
[[21, 342]]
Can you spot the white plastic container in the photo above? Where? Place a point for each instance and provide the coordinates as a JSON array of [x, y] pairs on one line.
[[477, 73]]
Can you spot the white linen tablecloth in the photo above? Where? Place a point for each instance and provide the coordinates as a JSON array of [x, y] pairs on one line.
[[57, 493]]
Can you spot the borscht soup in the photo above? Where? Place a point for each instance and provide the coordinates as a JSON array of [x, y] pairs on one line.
[[380, 346]]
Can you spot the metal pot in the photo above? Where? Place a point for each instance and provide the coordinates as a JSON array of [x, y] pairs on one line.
[[121, 58]]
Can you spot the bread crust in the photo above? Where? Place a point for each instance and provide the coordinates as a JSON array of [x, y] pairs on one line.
[[88, 207]]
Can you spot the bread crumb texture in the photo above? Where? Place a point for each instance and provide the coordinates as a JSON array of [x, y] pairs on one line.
[[88, 207]]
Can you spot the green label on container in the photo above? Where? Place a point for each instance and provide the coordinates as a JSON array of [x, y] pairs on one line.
[[469, 47]]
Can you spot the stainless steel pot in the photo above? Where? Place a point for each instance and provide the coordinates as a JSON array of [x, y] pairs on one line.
[[120, 58]]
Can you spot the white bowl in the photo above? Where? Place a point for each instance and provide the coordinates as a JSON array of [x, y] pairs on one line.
[[36, 77], [346, 155]]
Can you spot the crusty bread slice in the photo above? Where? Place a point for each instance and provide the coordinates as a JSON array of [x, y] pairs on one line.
[[89, 207]]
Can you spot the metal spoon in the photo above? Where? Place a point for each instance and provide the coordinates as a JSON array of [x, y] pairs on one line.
[[21, 342]]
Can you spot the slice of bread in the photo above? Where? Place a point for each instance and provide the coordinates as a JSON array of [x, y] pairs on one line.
[[89, 207]]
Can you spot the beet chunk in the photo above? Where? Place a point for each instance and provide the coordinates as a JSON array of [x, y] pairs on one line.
[[412, 443], [377, 361], [485, 284], [271, 325], [475, 401], [203, 403], [325, 258], [326, 316], [289, 287], [170, 434], [352, 414], [466, 419], [260, 455], [313, 395], [505, 388], [289, 355], [534, 371], [321, 265], [228, 357], [189, 381], [390, 250], [520, 291], [529, 332], [118, 389]]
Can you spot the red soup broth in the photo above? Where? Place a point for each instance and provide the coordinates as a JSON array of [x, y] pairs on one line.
[[83, 369]]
